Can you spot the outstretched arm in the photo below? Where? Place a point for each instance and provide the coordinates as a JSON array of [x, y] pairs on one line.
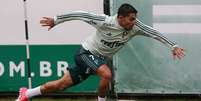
[[90, 18], [148, 31]]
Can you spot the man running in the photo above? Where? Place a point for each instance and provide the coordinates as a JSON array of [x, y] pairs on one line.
[[113, 32]]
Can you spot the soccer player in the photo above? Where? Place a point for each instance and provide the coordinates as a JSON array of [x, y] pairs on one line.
[[113, 32]]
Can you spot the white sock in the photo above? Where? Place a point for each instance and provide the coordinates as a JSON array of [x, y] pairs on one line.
[[101, 98], [33, 92]]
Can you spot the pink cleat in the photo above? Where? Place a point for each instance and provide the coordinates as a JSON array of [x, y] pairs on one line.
[[22, 96]]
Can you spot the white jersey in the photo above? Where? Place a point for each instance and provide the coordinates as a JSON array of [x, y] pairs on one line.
[[110, 36]]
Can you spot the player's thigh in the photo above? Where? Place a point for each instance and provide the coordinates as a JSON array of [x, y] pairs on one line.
[[95, 65], [90, 62]]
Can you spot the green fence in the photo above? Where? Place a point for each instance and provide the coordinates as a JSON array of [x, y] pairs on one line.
[[47, 63]]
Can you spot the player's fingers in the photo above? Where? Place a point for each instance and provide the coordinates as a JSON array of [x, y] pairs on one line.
[[43, 21], [181, 55], [45, 25], [183, 52], [47, 18], [176, 55]]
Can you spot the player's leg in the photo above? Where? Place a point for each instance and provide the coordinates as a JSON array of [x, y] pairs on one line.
[[95, 64], [105, 74], [57, 85], [48, 87]]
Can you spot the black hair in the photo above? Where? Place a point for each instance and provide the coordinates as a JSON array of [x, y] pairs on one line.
[[126, 9]]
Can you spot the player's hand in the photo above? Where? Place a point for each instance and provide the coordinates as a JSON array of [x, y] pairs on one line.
[[178, 52], [47, 22]]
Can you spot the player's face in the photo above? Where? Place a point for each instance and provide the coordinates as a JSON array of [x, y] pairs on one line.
[[127, 22]]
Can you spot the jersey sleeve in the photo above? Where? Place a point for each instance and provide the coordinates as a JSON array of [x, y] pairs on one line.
[[151, 32], [90, 18]]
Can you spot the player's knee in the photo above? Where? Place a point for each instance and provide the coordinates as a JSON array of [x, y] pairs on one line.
[[63, 84], [104, 72], [107, 75]]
